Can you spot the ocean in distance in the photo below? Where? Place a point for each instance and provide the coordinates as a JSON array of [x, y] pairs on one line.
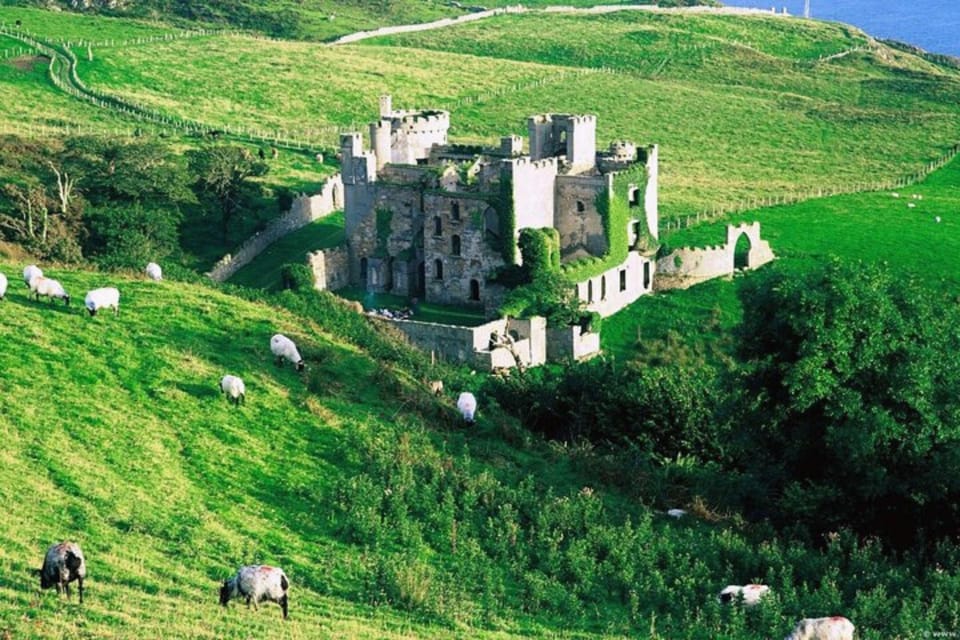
[[933, 25]]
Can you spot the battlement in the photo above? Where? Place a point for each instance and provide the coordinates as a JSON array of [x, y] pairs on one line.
[[582, 119], [527, 161], [352, 143]]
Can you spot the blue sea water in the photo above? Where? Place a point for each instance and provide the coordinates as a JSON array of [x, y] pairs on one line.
[[933, 25]]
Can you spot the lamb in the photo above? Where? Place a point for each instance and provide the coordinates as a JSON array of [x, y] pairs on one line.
[[257, 583], [154, 272], [62, 565], [105, 298], [467, 404], [234, 388], [835, 628], [436, 387], [3, 284], [283, 347], [751, 593], [50, 288], [30, 272]]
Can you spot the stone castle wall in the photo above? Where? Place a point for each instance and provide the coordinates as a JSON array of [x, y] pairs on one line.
[[577, 220], [305, 210], [330, 268], [620, 286], [688, 266]]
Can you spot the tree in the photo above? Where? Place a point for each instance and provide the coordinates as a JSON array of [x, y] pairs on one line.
[[223, 179], [130, 235], [852, 403]]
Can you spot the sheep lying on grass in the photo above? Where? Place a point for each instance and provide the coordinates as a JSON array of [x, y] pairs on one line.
[[257, 583], [50, 288], [62, 565], [154, 272], [30, 272], [467, 405], [835, 628], [105, 298], [751, 593], [3, 286], [284, 348], [234, 388]]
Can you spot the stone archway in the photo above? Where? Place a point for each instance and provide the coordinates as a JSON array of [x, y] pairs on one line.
[[741, 252]]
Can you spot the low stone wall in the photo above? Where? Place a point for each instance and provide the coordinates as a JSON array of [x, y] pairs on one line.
[[569, 344], [688, 266], [471, 345], [305, 210], [331, 268]]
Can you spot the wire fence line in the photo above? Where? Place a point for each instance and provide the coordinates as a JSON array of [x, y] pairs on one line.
[[719, 212]]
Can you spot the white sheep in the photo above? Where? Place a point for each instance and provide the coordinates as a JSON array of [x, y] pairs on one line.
[[835, 628], [50, 288], [234, 388], [676, 513], [750, 593], [154, 272], [104, 298], [62, 565], [911, 205], [284, 348], [467, 405], [436, 387], [30, 272], [3, 284], [257, 583]]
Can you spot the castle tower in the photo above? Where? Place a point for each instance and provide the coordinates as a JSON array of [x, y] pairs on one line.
[[540, 132], [386, 106], [380, 135], [581, 134]]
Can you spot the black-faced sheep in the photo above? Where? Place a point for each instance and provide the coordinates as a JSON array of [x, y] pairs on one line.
[[467, 405], [257, 583], [234, 388], [751, 593], [41, 286], [834, 628], [154, 272], [284, 348], [105, 298], [63, 564]]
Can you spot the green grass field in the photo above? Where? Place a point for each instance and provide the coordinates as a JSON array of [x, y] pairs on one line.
[[264, 271], [740, 106]]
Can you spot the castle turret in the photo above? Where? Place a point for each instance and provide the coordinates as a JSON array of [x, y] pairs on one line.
[[380, 133], [581, 143], [386, 106]]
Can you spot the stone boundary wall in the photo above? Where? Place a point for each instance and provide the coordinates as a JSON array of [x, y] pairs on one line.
[[305, 210], [331, 268], [688, 266], [569, 343], [426, 26]]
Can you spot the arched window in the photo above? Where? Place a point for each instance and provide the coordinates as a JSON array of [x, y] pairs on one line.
[[474, 290], [363, 270], [437, 226], [580, 206], [455, 245], [438, 269], [455, 210], [589, 290], [603, 287]]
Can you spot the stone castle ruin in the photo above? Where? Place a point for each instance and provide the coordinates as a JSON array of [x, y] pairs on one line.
[[435, 221]]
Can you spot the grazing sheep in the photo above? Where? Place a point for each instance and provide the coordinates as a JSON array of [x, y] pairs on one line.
[[105, 298], [257, 583], [676, 513], [895, 194], [467, 405], [835, 628], [750, 593], [3, 284], [234, 388], [50, 288], [154, 272], [30, 272], [436, 387], [937, 219], [283, 347], [62, 565], [911, 205]]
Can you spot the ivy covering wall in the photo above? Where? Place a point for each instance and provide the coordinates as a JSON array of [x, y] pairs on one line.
[[615, 214]]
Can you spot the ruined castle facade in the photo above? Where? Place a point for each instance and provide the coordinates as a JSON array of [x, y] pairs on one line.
[[435, 221]]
